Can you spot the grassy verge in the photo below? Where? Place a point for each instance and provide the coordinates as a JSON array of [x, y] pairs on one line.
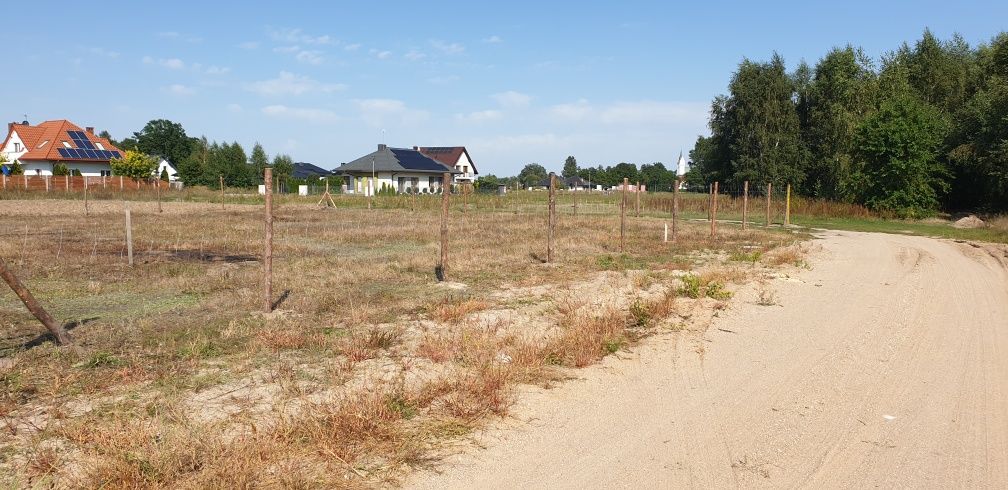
[[921, 228]]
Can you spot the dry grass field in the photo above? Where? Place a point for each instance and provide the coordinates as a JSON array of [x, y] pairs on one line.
[[367, 368]]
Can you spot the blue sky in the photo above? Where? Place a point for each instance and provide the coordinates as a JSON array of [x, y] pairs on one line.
[[515, 82]]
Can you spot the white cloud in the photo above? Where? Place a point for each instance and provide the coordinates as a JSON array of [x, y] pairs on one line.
[[288, 83], [480, 116], [179, 36], [103, 52], [217, 70], [299, 36], [383, 55], [301, 113], [572, 112], [234, 108], [248, 45], [493, 40], [512, 99], [180, 90], [447, 48], [443, 79], [310, 56], [414, 55], [378, 112], [170, 63], [351, 47], [632, 113]]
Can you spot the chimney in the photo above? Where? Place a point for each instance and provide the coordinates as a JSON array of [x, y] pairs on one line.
[[381, 146], [89, 130]]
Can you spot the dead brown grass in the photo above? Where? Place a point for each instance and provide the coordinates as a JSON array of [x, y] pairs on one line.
[[365, 367]]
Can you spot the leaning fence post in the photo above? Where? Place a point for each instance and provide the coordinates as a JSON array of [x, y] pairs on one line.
[[713, 221], [622, 223], [129, 237], [58, 332], [268, 243], [769, 191], [442, 268], [675, 207], [552, 218], [745, 204], [787, 207]]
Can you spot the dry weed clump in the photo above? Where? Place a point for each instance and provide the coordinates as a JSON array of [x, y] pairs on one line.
[[453, 309]]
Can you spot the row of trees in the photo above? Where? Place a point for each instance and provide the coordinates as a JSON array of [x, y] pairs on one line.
[[927, 129], [202, 162], [654, 175]]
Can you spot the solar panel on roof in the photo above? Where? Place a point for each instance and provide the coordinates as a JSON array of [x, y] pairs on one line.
[[413, 160], [116, 154], [73, 152], [63, 153]]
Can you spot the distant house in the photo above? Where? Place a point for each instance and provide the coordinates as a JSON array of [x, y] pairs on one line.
[[576, 183], [305, 170], [40, 148], [456, 157], [400, 169], [165, 165]]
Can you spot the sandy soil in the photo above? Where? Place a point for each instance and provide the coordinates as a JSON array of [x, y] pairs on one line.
[[885, 364]]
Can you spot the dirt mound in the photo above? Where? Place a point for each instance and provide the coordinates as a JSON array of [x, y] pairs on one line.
[[970, 221]]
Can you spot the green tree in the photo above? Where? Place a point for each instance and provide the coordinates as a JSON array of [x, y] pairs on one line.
[[259, 161], [165, 138], [532, 174], [657, 177], [164, 174], [134, 164], [16, 168], [897, 149], [570, 168], [192, 170], [283, 167], [842, 95], [60, 169], [487, 182]]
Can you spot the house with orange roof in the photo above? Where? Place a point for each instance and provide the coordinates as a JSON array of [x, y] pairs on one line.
[[456, 157], [39, 148]]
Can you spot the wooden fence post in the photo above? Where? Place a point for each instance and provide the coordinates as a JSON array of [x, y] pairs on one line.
[[120, 182], [268, 243], [552, 218], [222, 192], [158, 194], [769, 192], [58, 332], [675, 208], [745, 204], [87, 211], [622, 223], [713, 221], [129, 237], [787, 207], [26, 181], [442, 268], [637, 196], [574, 193]]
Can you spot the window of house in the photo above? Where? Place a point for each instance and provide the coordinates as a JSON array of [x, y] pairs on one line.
[[66, 145], [17, 147], [99, 145], [106, 173], [42, 144]]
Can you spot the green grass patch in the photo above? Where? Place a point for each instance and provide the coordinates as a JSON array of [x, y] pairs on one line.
[[906, 227]]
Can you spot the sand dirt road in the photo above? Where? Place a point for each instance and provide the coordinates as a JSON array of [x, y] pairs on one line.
[[885, 365]]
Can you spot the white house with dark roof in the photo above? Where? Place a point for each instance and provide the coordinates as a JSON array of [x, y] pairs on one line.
[[39, 148], [456, 157], [400, 169]]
